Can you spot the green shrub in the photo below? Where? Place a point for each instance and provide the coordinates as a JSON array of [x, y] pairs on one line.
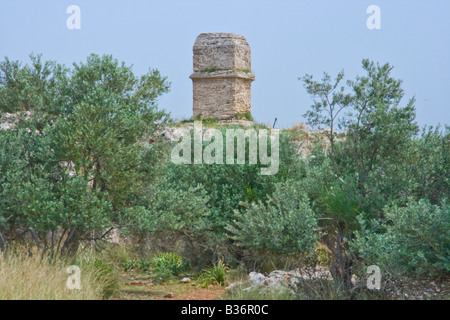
[[284, 224], [168, 264], [75, 163], [144, 264], [413, 240], [214, 192], [141, 264], [162, 274], [129, 265], [216, 274]]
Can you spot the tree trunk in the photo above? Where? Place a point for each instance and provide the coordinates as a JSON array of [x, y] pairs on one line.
[[2, 242], [341, 267], [70, 246]]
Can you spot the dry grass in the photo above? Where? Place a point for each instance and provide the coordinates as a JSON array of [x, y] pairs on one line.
[[31, 277]]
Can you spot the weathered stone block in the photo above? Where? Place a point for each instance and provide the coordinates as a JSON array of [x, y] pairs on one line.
[[224, 51]]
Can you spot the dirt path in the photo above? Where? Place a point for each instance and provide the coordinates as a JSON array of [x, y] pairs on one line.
[[141, 287], [201, 294]]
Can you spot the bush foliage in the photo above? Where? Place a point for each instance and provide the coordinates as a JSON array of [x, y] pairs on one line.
[[83, 155]]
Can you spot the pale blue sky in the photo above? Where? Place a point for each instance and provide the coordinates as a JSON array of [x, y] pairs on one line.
[[288, 39]]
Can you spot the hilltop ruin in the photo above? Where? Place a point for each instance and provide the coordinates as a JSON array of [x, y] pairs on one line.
[[222, 77]]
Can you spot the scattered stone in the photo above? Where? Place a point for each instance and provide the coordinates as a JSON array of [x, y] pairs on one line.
[[185, 280], [396, 287], [279, 280], [169, 295]]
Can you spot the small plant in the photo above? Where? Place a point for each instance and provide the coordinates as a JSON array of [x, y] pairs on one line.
[[209, 70], [323, 255], [167, 264], [129, 265], [207, 122], [244, 70], [217, 274], [139, 264], [144, 265], [162, 274], [244, 116]]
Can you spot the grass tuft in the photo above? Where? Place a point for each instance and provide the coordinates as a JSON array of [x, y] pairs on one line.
[[25, 276]]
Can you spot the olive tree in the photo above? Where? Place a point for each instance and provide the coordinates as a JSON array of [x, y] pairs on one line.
[[81, 158], [369, 133]]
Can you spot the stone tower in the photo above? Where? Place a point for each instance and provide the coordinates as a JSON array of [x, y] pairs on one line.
[[222, 76]]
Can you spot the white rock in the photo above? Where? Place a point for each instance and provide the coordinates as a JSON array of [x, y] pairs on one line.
[[185, 280], [256, 278]]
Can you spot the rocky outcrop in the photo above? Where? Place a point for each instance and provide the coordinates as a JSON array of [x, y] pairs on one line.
[[279, 280], [8, 120]]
